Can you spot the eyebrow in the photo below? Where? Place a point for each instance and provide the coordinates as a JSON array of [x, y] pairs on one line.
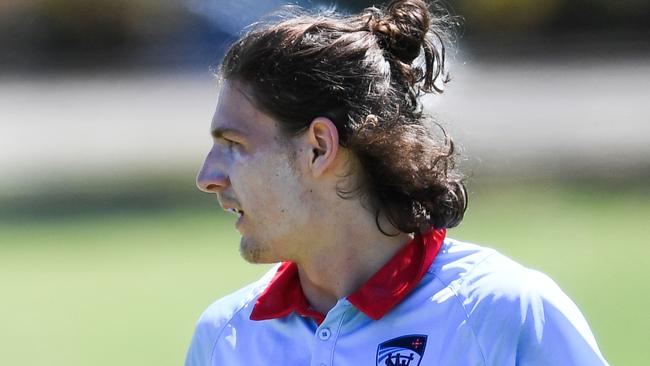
[[220, 132]]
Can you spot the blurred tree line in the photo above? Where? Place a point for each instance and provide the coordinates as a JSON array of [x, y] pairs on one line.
[[43, 33]]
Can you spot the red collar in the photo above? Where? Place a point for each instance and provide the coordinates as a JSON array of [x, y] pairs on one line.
[[381, 293]]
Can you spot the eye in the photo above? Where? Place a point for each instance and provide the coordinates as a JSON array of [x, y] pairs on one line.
[[230, 143]]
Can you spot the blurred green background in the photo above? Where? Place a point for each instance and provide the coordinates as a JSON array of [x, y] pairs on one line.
[[108, 253], [126, 287]]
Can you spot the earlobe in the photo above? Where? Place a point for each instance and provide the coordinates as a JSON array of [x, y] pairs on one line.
[[324, 140]]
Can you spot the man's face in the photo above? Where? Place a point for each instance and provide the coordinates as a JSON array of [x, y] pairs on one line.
[[254, 173]]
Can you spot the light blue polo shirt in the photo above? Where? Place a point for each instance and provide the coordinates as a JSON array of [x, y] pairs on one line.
[[473, 306]]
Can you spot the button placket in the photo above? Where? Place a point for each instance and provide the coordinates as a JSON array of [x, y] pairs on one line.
[[326, 336]]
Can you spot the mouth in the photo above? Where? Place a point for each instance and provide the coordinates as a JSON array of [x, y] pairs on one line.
[[235, 211], [240, 217], [232, 206]]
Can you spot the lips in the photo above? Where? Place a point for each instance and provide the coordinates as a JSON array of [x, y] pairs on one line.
[[235, 211], [239, 213], [232, 207]]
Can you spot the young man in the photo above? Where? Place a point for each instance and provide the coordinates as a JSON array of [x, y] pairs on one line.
[[322, 150]]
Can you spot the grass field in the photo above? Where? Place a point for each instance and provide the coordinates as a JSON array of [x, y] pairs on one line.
[[126, 288]]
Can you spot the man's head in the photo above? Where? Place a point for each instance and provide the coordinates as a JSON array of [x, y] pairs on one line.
[[342, 91], [280, 186]]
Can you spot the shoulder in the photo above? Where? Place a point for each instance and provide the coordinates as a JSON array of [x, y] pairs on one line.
[[456, 259], [478, 273], [509, 304], [215, 319]]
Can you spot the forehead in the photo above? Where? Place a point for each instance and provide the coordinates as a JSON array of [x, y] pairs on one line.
[[236, 112]]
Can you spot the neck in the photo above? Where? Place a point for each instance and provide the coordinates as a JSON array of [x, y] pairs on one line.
[[338, 265]]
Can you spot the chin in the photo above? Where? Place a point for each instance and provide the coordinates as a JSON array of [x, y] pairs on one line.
[[254, 252]]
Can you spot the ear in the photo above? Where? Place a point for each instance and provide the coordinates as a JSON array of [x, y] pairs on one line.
[[323, 140]]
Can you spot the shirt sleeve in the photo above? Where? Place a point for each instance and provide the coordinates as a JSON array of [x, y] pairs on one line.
[[215, 319], [554, 331], [200, 351], [521, 317]]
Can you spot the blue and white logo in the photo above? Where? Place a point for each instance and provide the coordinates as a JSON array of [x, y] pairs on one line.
[[402, 351]]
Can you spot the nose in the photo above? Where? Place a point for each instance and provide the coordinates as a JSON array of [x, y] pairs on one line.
[[212, 178]]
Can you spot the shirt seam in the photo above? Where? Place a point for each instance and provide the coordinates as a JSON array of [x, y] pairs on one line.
[[338, 331], [223, 328], [460, 302]]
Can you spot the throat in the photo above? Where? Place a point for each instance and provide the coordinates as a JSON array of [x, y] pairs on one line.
[[329, 277], [320, 297]]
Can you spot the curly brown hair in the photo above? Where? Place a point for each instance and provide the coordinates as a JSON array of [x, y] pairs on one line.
[[366, 72]]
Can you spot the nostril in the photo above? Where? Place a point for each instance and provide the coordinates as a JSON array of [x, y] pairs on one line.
[[212, 181]]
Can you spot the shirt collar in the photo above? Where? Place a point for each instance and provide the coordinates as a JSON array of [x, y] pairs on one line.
[[375, 298]]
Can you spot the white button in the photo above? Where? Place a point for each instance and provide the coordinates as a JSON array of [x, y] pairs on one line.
[[324, 334]]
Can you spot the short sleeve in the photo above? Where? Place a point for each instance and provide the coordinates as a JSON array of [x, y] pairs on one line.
[[215, 320], [212, 323], [200, 351], [554, 331], [522, 317]]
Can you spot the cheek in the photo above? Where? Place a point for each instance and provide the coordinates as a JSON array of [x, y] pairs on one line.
[[267, 183]]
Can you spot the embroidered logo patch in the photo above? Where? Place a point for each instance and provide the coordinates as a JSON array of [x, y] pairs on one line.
[[402, 351]]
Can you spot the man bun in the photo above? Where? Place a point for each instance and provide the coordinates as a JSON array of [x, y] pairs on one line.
[[403, 29], [406, 29]]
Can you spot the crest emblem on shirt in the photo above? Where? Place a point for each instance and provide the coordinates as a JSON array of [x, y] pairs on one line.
[[402, 351]]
